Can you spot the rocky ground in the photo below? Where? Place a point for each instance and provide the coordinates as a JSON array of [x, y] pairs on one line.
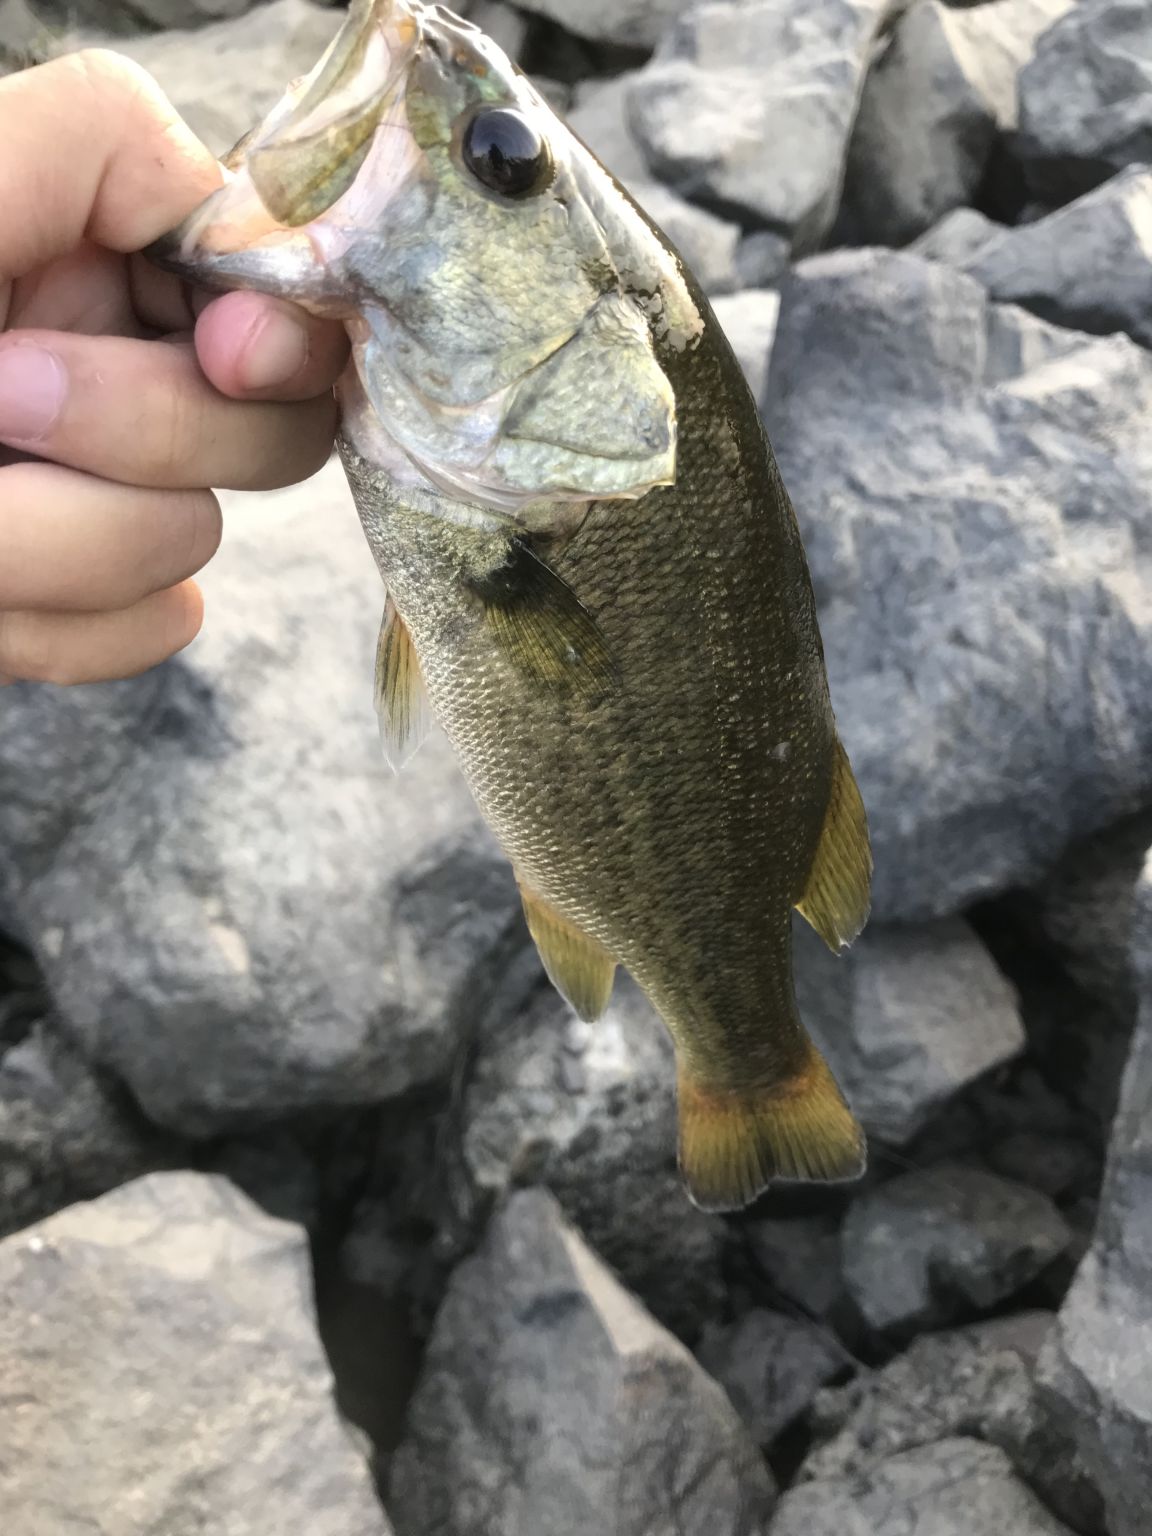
[[318, 1211]]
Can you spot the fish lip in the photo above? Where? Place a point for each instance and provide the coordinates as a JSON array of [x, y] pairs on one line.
[[185, 251]]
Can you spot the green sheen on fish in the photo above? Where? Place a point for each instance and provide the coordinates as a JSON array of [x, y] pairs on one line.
[[594, 574]]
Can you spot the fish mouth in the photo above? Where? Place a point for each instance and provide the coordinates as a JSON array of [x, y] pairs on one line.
[[301, 160]]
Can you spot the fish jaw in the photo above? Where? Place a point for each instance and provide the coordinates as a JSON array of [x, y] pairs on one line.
[[256, 234]]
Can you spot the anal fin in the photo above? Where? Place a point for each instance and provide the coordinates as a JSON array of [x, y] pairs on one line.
[[543, 628], [837, 897], [734, 1142], [401, 700], [580, 969]]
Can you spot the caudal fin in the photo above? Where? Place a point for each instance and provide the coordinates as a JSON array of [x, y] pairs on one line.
[[735, 1142]]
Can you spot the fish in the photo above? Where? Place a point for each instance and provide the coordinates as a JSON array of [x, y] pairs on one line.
[[594, 577]]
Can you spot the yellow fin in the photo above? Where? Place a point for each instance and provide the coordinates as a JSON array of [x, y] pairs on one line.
[[735, 1142], [401, 702], [543, 628], [578, 967], [838, 895]]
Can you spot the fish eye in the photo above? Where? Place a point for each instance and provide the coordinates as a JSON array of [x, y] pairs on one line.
[[506, 153]]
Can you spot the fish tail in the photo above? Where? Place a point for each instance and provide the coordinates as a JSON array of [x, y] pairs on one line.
[[735, 1141]]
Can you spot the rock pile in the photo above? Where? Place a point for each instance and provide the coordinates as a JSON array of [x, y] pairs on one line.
[[236, 955]]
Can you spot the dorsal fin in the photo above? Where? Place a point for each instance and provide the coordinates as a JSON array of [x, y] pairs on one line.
[[543, 628], [580, 969], [837, 897], [401, 701]]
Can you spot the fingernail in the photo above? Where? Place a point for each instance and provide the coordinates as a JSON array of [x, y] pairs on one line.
[[276, 353], [33, 387]]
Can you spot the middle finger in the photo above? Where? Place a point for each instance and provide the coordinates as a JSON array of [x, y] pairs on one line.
[[142, 413], [73, 541]]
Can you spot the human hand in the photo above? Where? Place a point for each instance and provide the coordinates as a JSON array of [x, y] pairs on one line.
[[119, 407]]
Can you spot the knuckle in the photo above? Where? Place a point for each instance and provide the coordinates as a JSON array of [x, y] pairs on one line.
[[175, 420], [110, 74]]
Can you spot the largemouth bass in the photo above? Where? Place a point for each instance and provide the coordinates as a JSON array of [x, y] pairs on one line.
[[594, 574]]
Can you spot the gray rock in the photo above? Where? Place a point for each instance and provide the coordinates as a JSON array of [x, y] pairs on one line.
[[772, 1367], [21, 34], [800, 1258], [551, 1402], [1097, 1371], [237, 909], [974, 486], [762, 259], [1058, 1166], [224, 78], [1068, 941], [956, 1487], [749, 322], [64, 1134], [590, 1112], [934, 108], [633, 23], [1088, 265], [927, 1247], [504, 24], [173, 1321], [907, 1018], [748, 105], [1086, 99], [126, 17], [707, 242], [978, 1381], [958, 235], [599, 116]]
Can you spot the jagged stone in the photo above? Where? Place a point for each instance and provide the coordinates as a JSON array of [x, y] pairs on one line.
[[225, 77], [551, 1402], [749, 106], [928, 1247], [1097, 1369], [957, 1487], [708, 243], [633, 23], [933, 112], [1088, 265], [64, 1134], [907, 1018], [972, 484], [978, 1381], [772, 1367], [1086, 99], [173, 1321]]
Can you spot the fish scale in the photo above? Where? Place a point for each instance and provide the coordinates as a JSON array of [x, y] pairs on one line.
[[659, 820]]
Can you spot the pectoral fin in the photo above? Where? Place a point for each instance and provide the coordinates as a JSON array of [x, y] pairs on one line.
[[578, 967], [838, 894], [401, 700], [542, 627]]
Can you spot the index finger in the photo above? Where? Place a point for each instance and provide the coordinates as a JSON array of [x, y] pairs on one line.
[[93, 150]]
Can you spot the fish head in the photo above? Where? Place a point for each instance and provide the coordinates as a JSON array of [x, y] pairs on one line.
[[510, 309]]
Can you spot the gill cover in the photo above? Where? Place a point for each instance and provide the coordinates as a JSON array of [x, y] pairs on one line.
[[504, 313]]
